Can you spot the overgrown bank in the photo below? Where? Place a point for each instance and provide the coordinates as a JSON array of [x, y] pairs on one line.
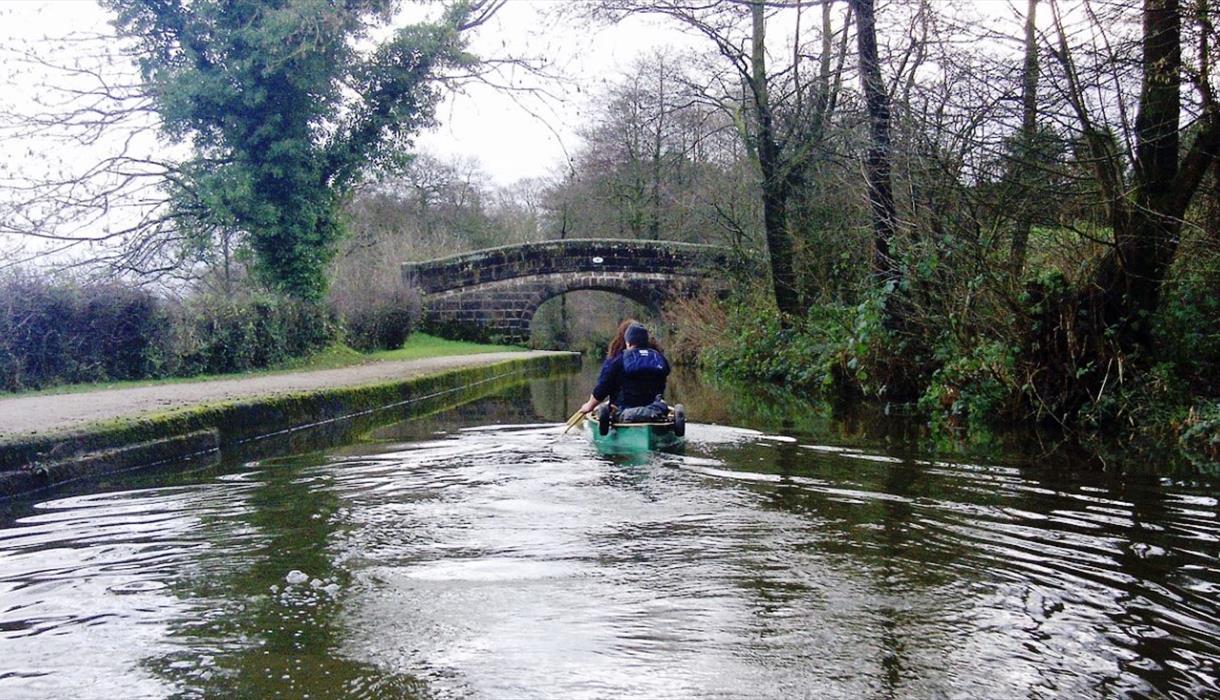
[[979, 367]]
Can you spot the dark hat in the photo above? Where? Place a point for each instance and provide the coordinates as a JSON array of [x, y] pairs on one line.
[[636, 335]]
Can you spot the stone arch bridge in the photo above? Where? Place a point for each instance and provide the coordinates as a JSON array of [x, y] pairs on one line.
[[494, 293]]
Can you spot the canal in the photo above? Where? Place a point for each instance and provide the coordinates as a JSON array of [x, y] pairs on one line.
[[782, 552]]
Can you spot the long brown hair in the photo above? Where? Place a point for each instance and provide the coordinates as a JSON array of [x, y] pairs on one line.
[[619, 343]]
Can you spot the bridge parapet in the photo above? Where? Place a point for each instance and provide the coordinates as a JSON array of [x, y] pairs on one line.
[[560, 256], [494, 293]]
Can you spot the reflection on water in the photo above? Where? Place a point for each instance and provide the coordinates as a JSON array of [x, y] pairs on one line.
[[479, 553]]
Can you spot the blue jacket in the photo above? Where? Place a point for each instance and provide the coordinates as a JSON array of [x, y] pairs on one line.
[[634, 377]]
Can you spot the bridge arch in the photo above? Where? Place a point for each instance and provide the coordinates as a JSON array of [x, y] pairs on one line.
[[494, 293]]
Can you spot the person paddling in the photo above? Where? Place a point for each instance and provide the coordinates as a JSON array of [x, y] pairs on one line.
[[633, 377]]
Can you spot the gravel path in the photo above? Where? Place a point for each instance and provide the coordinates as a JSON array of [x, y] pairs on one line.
[[23, 416]]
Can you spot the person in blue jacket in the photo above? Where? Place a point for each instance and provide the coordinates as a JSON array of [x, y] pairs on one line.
[[632, 377]]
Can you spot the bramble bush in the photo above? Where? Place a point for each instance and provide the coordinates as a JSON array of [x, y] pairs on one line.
[[1187, 325], [1200, 437], [977, 383], [987, 366]]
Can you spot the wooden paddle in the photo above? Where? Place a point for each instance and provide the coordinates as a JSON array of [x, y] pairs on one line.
[[576, 418]]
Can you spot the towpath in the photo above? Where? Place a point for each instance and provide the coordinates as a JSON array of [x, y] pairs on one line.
[[22, 417]]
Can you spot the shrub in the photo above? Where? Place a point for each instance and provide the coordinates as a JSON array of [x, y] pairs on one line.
[[700, 323], [1186, 325], [382, 323], [1201, 435], [978, 383], [218, 335], [131, 330], [366, 292], [68, 332], [822, 352]]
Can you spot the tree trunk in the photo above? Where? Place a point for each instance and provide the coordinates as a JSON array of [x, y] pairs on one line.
[[1147, 226], [654, 215], [877, 101], [1029, 129], [775, 188], [1148, 239]]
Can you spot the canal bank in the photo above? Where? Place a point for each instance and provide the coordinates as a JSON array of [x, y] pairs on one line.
[[46, 441]]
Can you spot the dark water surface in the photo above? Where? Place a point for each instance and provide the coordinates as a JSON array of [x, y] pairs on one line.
[[477, 553]]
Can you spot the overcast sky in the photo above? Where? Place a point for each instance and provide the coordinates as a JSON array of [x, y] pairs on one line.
[[512, 134], [525, 135]]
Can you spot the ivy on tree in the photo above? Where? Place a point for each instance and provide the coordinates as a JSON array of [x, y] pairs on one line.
[[284, 113]]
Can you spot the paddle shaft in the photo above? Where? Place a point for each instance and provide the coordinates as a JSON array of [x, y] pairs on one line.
[[576, 418]]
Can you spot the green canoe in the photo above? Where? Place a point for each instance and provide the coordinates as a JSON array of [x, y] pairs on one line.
[[637, 437]]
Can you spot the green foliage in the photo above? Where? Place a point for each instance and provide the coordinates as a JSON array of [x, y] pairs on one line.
[[1201, 437], [220, 335], [70, 333], [284, 114], [53, 333], [1004, 358], [1187, 325], [829, 351], [977, 383], [382, 323]]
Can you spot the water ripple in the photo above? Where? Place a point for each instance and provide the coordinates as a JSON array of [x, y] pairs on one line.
[[509, 561]]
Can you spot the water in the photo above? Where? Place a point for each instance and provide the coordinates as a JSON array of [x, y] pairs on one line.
[[476, 553]]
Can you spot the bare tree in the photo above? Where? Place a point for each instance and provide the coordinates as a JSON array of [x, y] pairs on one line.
[[1147, 183], [652, 160], [738, 32], [111, 205]]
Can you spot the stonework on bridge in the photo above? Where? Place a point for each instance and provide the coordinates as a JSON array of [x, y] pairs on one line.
[[494, 293]]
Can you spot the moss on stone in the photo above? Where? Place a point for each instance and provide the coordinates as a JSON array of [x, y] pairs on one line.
[[238, 422]]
